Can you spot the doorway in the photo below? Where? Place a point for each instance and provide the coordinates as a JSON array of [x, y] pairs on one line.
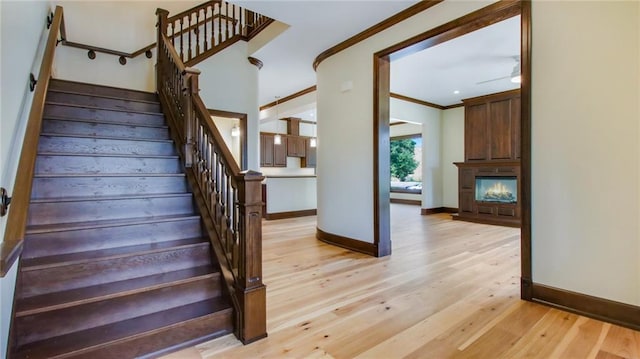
[[382, 73]]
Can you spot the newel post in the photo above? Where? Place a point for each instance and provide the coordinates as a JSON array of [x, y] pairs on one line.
[[190, 88], [163, 16], [250, 291]]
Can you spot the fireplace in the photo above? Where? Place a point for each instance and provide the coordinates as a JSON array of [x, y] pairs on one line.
[[497, 189], [488, 192]]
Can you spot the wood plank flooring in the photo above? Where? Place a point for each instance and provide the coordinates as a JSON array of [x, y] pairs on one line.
[[449, 290]]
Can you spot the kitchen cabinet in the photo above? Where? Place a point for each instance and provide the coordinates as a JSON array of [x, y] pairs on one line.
[[272, 155], [296, 146]]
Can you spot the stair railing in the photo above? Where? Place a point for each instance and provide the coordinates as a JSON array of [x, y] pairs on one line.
[[11, 246], [208, 28], [229, 200]]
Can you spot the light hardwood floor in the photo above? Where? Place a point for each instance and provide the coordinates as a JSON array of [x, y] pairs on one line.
[[449, 290]]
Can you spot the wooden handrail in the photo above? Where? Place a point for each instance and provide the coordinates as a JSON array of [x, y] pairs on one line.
[[11, 246], [230, 201]]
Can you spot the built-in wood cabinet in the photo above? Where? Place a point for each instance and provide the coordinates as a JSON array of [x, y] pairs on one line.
[[272, 155], [296, 146], [492, 155], [492, 127], [475, 209]]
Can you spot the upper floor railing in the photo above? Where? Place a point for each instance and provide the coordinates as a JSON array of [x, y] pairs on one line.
[[210, 27], [229, 200]]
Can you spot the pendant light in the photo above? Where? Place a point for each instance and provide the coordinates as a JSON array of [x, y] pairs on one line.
[[277, 139]]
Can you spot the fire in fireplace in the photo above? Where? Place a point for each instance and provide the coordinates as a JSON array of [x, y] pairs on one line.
[[497, 189]]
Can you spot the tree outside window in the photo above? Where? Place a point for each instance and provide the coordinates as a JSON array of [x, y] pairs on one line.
[[406, 171]]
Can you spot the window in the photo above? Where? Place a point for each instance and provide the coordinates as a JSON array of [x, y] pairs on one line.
[[405, 164]]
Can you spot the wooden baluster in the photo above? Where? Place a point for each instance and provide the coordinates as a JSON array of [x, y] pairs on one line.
[[181, 38], [227, 19], [213, 39], [233, 20], [250, 290], [197, 32], [219, 23], [241, 22], [205, 36], [188, 34]]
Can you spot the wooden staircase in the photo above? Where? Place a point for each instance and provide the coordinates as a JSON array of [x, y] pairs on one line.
[[115, 261]]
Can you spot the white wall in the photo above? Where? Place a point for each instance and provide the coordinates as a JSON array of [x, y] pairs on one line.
[[225, 125], [291, 194], [345, 160], [23, 34], [452, 151], [229, 82], [585, 152], [116, 25]]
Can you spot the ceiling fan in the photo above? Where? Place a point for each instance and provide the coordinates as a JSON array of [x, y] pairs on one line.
[[514, 76]]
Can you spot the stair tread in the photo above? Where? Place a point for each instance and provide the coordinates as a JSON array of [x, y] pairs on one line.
[[68, 298], [53, 82], [103, 96], [125, 330], [55, 103], [104, 155], [38, 263], [64, 118], [72, 175], [109, 198], [59, 227], [101, 137]]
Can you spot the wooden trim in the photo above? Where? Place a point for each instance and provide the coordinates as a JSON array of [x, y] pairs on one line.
[[381, 155], [243, 130], [428, 211], [486, 220], [255, 62], [486, 16], [413, 202], [291, 214], [416, 101], [623, 314], [289, 98], [379, 27], [473, 21], [11, 247], [347, 243], [525, 152], [406, 137], [483, 98], [453, 106]]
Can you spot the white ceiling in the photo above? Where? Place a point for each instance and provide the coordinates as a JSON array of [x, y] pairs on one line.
[[431, 75], [458, 65], [315, 26]]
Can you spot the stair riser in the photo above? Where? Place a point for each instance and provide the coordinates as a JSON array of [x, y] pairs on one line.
[[103, 129], [81, 211], [204, 328], [68, 320], [55, 164], [79, 275], [54, 243], [101, 90], [79, 113], [62, 187], [63, 144], [110, 103]]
